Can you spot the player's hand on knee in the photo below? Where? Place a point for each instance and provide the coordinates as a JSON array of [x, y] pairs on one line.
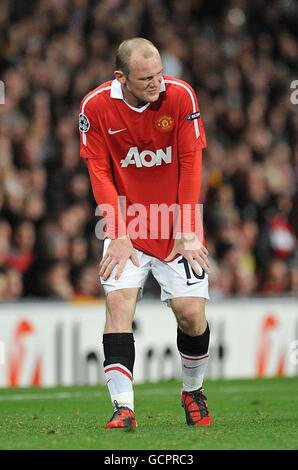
[[118, 252], [200, 257], [191, 248]]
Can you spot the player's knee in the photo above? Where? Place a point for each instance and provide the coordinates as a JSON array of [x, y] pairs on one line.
[[118, 310], [192, 324], [191, 317]]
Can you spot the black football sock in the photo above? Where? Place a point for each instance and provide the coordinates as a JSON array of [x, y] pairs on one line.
[[194, 358], [119, 354]]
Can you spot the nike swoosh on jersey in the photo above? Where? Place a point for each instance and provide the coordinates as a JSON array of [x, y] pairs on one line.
[[191, 283], [111, 132]]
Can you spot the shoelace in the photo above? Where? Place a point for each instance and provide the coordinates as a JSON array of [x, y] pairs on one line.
[[200, 399], [117, 410]]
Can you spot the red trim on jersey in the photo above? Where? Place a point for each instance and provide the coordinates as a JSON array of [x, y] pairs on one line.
[[120, 370]]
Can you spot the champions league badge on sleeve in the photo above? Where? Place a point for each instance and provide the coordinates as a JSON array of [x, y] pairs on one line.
[[84, 124], [193, 116]]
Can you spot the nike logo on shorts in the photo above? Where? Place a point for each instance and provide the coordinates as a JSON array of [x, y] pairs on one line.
[[111, 132], [192, 283]]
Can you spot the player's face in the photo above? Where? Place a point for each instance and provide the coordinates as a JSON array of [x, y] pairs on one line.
[[144, 79]]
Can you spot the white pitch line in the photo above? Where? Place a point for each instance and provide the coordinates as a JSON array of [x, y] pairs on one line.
[[99, 394]]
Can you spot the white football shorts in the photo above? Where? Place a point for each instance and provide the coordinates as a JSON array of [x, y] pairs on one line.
[[176, 278]]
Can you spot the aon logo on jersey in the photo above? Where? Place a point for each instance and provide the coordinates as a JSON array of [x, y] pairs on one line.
[[147, 157]]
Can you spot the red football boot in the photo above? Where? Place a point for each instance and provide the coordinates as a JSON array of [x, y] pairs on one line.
[[123, 417], [196, 409]]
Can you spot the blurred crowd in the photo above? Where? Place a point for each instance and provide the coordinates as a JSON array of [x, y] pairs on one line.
[[240, 56]]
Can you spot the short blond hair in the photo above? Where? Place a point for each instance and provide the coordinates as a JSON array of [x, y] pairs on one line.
[[127, 47]]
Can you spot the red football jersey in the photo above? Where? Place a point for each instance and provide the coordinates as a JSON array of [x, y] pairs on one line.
[[149, 155]]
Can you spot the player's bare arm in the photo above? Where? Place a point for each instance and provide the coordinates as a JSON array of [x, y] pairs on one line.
[[118, 252]]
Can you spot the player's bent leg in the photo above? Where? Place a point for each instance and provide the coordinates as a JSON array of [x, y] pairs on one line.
[[119, 351], [190, 314], [120, 310], [118, 340], [193, 344]]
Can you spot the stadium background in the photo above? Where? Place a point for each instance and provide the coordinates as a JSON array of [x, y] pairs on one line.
[[241, 57]]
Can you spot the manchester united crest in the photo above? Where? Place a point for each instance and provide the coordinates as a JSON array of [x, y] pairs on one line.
[[165, 123]]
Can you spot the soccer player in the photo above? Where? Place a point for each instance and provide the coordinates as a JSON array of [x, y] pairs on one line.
[[142, 137]]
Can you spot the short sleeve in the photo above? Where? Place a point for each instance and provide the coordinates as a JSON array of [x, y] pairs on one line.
[[191, 127], [92, 143]]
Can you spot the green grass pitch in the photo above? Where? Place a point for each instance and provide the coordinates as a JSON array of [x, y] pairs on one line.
[[248, 414]]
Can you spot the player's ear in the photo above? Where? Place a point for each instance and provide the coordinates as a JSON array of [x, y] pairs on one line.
[[119, 75]]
